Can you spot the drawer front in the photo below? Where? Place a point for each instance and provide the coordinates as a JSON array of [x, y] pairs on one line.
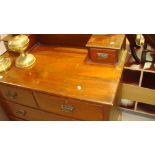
[[103, 55], [31, 114], [69, 107], [18, 95], [13, 118]]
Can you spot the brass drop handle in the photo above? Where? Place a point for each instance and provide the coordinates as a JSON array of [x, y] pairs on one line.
[[67, 108], [12, 95], [102, 55], [21, 112]]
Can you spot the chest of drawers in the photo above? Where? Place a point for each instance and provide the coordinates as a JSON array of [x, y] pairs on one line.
[[61, 85], [23, 104]]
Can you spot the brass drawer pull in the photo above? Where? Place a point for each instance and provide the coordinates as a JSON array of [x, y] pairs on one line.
[[102, 55], [67, 108], [21, 112], [12, 95]]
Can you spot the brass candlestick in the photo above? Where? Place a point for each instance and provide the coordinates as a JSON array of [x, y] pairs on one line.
[[5, 63], [19, 44]]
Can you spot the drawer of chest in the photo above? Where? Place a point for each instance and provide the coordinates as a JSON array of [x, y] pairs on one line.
[[109, 56], [18, 95], [13, 118], [69, 107], [26, 113]]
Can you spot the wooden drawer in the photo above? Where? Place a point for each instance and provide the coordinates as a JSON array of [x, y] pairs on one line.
[[18, 95], [69, 107], [136, 93], [31, 114], [100, 55], [13, 118]]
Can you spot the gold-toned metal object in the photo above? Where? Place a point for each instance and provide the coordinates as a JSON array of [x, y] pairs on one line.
[[5, 63], [67, 108], [12, 95], [102, 55], [21, 112], [140, 40], [19, 44]]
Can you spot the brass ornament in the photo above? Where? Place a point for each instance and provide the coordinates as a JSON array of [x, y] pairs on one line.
[[5, 63], [140, 40], [19, 44]]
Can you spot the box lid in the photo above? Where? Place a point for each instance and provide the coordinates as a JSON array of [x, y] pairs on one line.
[[112, 41]]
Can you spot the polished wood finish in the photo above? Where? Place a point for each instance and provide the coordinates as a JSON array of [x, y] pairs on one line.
[[31, 114], [17, 94], [3, 115], [64, 72], [71, 107], [13, 118], [106, 48], [62, 84], [64, 39], [112, 56], [113, 41], [33, 40]]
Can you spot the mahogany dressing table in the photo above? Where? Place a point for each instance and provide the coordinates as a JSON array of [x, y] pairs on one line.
[[62, 85]]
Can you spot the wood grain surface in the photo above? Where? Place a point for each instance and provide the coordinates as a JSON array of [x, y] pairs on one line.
[[63, 71], [106, 41]]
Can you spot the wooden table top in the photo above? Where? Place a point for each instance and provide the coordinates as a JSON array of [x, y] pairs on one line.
[[63, 71]]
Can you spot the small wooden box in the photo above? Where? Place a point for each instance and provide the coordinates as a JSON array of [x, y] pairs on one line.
[[105, 48]]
